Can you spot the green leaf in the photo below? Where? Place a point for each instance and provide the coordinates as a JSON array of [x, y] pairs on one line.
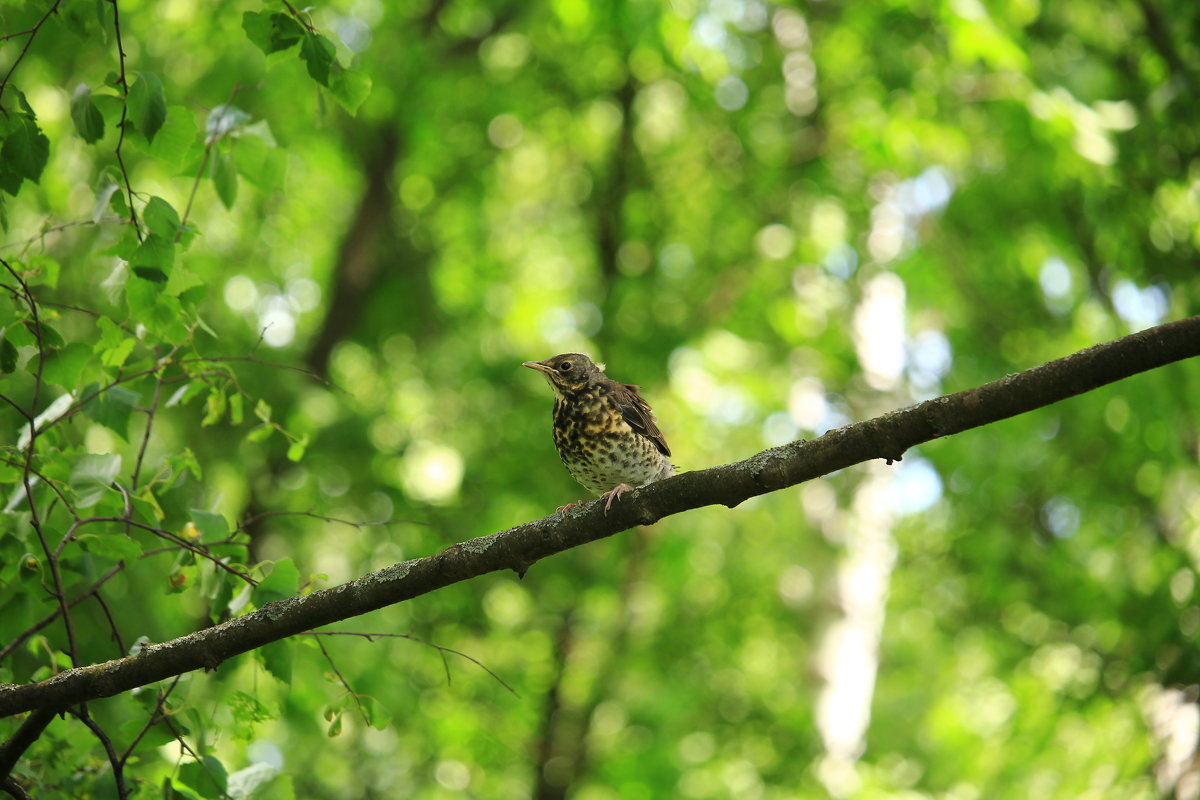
[[277, 659], [20, 334], [212, 526], [42, 270], [89, 122], [147, 105], [92, 475], [271, 32], [181, 280], [185, 461], [248, 711], [235, 409], [282, 583], [296, 449], [8, 356], [224, 177], [262, 164], [349, 88], [51, 338], [153, 258], [116, 356], [155, 309], [111, 334], [24, 154], [260, 433], [262, 410], [317, 53], [208, 776], [113, 409], [161, 218], [377, 715], [116, 546], [65, 367], [146, 508], [214, 408], [178, 137]]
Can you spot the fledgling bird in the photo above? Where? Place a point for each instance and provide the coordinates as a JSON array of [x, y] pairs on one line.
[[605, 433]]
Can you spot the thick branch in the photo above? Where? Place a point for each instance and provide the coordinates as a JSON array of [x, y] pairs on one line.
[[886, 437]]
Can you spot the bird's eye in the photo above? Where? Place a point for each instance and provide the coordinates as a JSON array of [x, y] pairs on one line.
[[564, 366]]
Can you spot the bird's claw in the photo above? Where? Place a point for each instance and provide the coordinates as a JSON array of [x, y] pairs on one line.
[[614, 494]]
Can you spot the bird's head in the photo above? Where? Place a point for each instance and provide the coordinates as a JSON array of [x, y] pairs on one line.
[[568, 373]]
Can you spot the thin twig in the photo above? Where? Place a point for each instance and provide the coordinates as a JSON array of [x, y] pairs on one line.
[[20, 638], [345, 684], [25, 244], [33, 32], [118, 767], [35, 520], [151, 720], [124, 82], [255, 518], [137, 467], [370, 637], [209, 144]]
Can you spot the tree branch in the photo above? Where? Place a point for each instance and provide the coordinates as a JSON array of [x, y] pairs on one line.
[[888, 437]]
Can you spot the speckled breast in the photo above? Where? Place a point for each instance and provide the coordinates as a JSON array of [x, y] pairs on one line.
[[599, 448]]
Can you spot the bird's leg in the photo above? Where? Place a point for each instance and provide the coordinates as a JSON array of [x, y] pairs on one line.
[[614, 494], [564, 509]]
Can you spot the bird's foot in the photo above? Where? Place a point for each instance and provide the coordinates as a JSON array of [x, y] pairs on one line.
[[614, 494], [564, 509]]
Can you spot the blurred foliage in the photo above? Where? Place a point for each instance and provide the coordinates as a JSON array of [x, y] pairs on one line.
[[287, 263]]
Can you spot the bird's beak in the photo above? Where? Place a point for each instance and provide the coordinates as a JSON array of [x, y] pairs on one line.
[[540, 366]]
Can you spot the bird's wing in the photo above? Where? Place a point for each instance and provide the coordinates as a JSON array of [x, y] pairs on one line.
[[637, 413]]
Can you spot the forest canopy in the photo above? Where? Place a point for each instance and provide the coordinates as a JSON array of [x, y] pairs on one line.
[[270, 273]]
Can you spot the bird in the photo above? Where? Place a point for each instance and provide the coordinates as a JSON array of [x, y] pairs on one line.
[[605, 433]]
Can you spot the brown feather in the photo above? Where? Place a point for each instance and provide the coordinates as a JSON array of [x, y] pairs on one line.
[[637, 413]]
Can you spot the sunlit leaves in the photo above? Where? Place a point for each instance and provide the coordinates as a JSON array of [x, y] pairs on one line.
[[115, 343], [177, 138], [161, 218], [349, 87], [154, 308], [91, 477], [259, 161], [296, 448]]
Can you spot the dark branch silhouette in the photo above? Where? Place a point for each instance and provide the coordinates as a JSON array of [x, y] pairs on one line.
[[887, 437]]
